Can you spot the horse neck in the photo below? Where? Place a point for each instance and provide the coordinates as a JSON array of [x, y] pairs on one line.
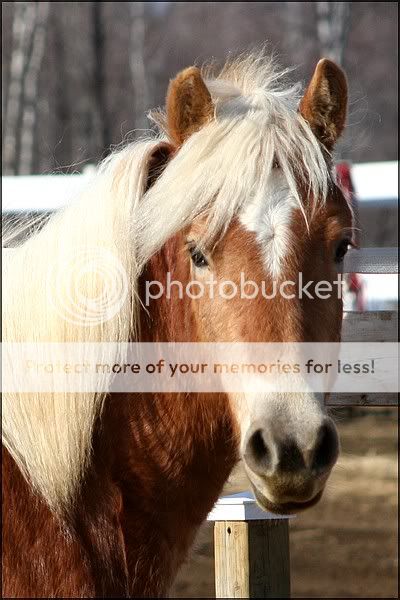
[[173, 452]]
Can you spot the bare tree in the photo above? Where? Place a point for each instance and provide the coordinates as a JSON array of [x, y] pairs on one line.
[[136, 61], [106, 63], [23, 20], [294, 23], [332, 27], [30, 87], [101, 113], [78, 81]]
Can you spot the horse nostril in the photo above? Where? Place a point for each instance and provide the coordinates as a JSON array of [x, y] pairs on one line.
[[258, 446], [290, 457], [257, 454], [327, 447]]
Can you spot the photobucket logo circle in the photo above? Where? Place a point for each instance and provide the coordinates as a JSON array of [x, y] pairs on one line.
[[88, 288]]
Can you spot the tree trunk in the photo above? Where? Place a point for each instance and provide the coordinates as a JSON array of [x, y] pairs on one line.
[[137, 66], [77, 30], [332, 26], [294, 21], [23, 20], [101, 113], [31, 81]]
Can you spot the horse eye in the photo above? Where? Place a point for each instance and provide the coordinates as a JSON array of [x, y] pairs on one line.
[[341, 250], [198, 259]]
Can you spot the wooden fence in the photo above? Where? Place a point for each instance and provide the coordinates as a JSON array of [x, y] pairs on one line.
[[251, 547]]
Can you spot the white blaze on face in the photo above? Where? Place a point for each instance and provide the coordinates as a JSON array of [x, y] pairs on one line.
[[269, 216]]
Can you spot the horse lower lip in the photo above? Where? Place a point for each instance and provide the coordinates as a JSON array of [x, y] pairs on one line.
[[286, 507]]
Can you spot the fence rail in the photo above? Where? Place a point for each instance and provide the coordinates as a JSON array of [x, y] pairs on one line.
[[377, 261], [370, 326]]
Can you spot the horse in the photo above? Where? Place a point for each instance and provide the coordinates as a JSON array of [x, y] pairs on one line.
[[103, 492]]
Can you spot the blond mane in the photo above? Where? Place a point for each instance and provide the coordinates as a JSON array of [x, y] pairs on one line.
[[216, 172]]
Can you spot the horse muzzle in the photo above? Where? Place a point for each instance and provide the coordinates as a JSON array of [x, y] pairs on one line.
[[285, 477]]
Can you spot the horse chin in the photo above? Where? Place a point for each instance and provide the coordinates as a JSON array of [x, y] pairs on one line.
[[284, 508]]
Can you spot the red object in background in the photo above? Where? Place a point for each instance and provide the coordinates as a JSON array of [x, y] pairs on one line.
[[354, 280], [344, 177]]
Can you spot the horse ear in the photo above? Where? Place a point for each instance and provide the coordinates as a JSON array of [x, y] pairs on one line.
[[324, 104], [157, 162], [189, 105]]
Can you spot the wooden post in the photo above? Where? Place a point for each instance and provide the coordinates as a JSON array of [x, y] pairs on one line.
[[251, 550]]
